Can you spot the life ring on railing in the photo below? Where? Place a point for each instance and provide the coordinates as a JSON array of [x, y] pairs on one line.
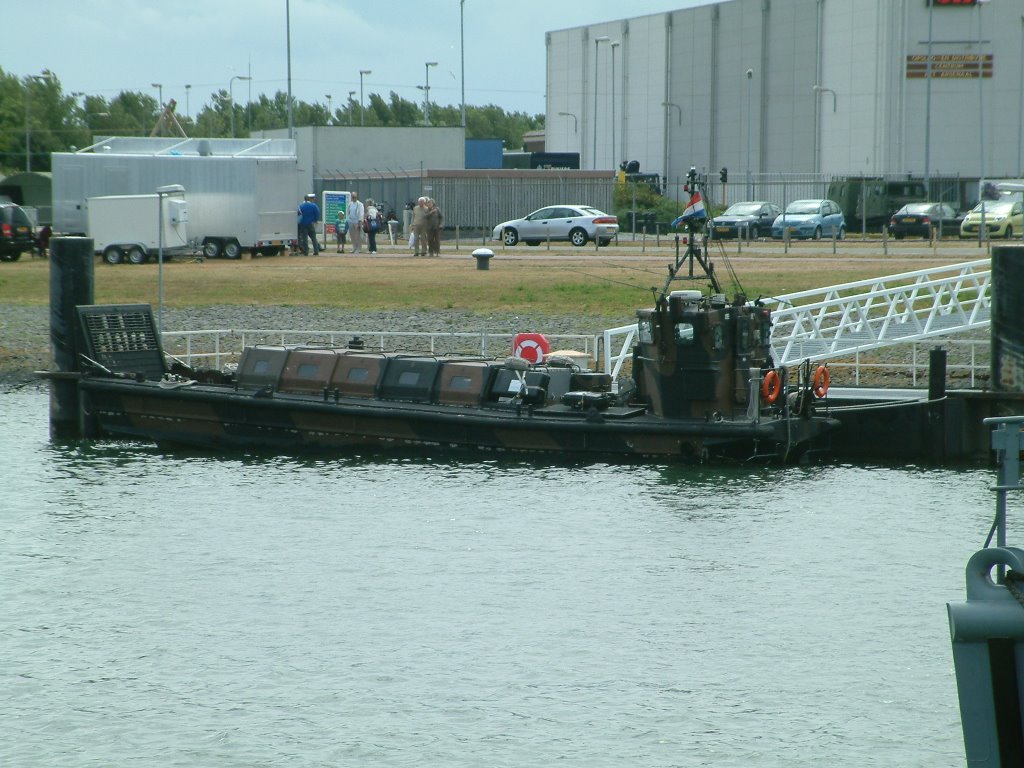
[[532, 347], [821, 381], [771, 387]]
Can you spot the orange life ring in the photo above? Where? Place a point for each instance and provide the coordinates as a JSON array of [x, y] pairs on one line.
[[771, 387], [821, 381], [532, 347]]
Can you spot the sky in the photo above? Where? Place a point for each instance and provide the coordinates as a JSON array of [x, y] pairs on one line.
[[103, 47]]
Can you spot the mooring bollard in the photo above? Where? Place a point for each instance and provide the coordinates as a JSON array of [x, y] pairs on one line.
[[483, 257]]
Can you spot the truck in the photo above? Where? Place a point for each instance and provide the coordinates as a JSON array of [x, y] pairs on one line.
[[242, 193], [127, 227]]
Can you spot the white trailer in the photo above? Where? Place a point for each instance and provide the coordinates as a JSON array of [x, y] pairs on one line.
[[243, 193], [127, 227]]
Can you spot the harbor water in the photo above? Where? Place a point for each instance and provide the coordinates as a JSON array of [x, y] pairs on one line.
[[188, 609]]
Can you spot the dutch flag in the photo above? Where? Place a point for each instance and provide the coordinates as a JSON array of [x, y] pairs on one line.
[[695, 210]]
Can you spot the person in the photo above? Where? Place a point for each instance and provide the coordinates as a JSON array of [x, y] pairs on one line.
[[309, 215], [340, 228], [43, 240], [354, 215], [372, 222], [419, 227], [435, 221]]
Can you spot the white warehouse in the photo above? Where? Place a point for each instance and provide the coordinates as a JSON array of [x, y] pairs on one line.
[[844, 87]]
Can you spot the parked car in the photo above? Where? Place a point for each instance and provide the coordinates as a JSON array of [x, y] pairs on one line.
[[738, 218], [16, 234], [1002, 219], [810, 219], [576, 223], [918, 220]]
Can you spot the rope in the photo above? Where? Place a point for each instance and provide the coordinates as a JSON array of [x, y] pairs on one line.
[[1013, 580]]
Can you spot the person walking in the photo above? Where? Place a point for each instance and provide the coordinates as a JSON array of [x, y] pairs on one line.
[[354, 215], [373, 219], [419, 227], [435, 222], [309, 215]]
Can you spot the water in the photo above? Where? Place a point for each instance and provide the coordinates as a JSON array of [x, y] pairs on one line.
[[184, 610]]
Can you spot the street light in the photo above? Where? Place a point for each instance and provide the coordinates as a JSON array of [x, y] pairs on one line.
[[597, 42], [750, 180], [668, 140], [188, 89], [462, 63], [46, 76], [160, 93], [328, 108], [361, 73], [818, 89], [231, 97], [426, 92], [575, 124], [615, 151], [350, 100]]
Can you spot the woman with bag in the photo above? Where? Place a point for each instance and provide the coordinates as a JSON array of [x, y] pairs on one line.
[[371, 224]]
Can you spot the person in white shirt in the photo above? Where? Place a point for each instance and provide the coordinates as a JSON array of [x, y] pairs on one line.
[[354, 215]]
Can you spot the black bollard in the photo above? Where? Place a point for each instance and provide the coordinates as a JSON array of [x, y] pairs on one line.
[[72, 282], [1007, 332], [936, 374]]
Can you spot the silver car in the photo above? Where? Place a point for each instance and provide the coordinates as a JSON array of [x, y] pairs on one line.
[[576, 223]]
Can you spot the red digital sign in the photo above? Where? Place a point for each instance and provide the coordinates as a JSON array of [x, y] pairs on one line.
[[953, 2]]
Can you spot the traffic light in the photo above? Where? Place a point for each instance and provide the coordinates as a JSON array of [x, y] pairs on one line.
[[723, 175]]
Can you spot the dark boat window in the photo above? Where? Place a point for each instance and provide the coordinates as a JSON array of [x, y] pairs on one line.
[[307, 370], [461, 383], [644, 329], [409, 378], [358, 374], [684, 333], [718, 338], [261, 366]]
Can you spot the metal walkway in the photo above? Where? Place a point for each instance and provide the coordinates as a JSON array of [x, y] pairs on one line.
[[841, 320]]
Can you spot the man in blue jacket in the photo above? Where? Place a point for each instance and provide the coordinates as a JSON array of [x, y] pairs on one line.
[[309, 215]]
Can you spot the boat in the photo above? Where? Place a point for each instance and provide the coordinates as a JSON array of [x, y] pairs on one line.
[[702, 387]]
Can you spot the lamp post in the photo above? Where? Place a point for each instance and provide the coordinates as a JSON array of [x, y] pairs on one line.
[[161, 193], [1020, 118], [668, 140], [426, 92], [188, 90], [328, 108], [44, 77], [615, 151], [750, 180], [818, 89], [362, 72], [231, 98], [350, 100], [597, 43], [462, 63], [160, 94], [288, 37]]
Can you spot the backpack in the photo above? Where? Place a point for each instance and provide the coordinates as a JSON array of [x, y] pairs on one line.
[[374, 223]]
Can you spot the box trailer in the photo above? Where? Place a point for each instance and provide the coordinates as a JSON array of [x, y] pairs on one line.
[[242, 193], [127, 227]]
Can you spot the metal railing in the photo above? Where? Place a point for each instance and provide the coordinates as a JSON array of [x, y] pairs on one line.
[[220, 347]]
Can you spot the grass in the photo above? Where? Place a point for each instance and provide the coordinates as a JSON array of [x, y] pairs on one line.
[[565, 280]]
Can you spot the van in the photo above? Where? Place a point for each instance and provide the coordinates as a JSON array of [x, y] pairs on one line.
[[16, 234]]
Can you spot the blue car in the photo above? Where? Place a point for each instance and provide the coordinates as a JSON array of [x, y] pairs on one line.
[[810, 219]]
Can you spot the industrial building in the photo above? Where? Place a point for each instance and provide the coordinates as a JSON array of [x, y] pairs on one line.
[[927, 88]]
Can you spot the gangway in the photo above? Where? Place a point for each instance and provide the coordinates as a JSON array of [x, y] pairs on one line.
[[841, 320]]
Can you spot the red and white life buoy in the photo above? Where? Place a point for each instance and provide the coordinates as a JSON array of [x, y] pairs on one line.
[[531, 347]]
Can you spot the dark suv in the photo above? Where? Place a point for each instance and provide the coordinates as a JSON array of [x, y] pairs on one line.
[[15, 232]]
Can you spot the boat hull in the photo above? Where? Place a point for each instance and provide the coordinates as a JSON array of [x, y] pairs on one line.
[[221, 417]]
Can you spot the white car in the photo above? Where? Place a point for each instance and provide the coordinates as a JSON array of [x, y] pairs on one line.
[[576, 223]]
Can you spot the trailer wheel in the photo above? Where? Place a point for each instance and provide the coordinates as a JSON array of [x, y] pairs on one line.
[[211, 249], [113, 255], [137, 255], [232, 250]]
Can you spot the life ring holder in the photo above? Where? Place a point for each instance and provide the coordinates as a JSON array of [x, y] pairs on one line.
[[771, 387], [821, 381], [532, 347]]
